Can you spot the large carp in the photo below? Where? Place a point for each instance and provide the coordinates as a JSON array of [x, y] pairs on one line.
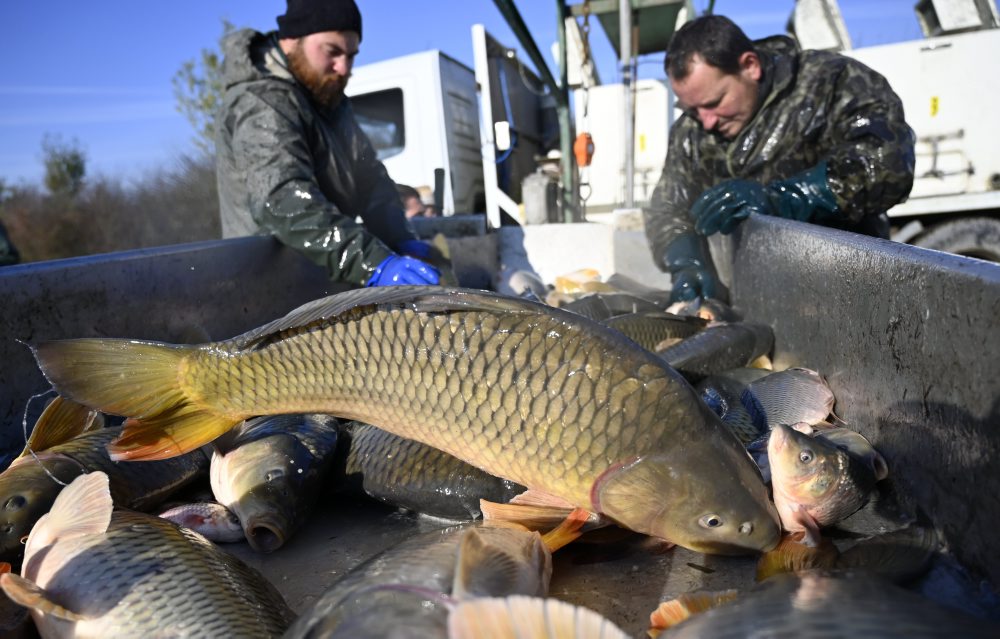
[[93, 572], [538, 396]]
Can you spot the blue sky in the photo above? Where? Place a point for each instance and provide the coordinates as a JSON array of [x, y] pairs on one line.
[[98, 73]]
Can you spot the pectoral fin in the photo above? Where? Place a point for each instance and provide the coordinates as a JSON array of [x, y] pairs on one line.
[[670, 613]]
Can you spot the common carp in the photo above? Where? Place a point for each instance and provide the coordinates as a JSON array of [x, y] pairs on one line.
[[406, 591], [536, 395], [29, 486], [819, 604], [652, 328], [415, 476], [93, 572], [815, 482], [269, 471], [719, 347]]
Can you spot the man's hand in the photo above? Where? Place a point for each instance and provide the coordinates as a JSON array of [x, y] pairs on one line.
[[723, 206], [692, 282], [397, 270], [805, 197], [691, 271]]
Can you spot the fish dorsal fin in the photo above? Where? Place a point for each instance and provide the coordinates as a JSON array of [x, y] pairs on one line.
[[82, 508], [484, 568], [61, 421], [424, 299], [520, 617], [28, 594]]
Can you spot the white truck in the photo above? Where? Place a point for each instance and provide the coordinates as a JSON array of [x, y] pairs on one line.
[[420, 111]]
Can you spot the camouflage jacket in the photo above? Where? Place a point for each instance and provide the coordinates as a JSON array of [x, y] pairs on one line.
[[814, 106], [289, 168]]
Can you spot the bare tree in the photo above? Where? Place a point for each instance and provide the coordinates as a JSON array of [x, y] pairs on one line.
[[198, 90]]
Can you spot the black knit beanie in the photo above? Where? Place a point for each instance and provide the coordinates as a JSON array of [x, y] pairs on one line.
[[316, 16]]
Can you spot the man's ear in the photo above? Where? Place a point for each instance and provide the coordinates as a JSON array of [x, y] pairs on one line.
[[750, 66]]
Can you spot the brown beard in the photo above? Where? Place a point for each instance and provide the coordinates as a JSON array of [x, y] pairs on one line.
[[327, 90]]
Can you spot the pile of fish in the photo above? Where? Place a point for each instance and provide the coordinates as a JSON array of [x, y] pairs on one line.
[[592, 400]]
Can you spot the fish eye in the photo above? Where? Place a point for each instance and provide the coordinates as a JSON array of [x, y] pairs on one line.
[[806, 456], [710, 521], [15, 503]]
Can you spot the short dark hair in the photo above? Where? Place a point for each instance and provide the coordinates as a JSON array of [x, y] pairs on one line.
[[715, 39], [406, 191]]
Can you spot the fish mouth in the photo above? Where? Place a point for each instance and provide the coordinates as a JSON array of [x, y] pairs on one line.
[[264, 536]]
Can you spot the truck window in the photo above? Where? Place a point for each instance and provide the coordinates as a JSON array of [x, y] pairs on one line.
[[380, 115]]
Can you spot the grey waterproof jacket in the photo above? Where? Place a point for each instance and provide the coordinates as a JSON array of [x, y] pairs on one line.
[[290, 168], [814, 106]]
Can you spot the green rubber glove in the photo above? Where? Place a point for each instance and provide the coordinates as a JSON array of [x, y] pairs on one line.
[[805, 197], [691, 270]]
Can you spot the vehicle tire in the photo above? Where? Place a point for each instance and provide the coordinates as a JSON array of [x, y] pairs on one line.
[[972, 236]]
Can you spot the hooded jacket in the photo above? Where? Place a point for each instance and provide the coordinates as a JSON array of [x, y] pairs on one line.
[[813, 106], [293, 169]]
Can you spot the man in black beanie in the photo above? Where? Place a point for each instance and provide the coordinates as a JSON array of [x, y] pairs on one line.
[[291, 159]]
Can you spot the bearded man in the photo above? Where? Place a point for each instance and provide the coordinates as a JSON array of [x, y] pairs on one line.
[[292, 161]]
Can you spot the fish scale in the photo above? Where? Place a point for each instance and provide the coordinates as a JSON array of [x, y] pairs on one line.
[[147, 576], [535, 395]]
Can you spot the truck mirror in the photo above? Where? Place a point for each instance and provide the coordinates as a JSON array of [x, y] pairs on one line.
[[501, 135]]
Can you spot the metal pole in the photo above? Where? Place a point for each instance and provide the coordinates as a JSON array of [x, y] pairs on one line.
[[625, 55], [516, 24], [570, 176]]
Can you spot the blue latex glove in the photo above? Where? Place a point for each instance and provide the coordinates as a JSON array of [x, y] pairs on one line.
[[805, 197], [398, 270], [691, 270]]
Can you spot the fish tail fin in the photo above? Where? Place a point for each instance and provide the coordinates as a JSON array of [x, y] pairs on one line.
[[117, 376], [28, 594], [140, 380], [522, 616]]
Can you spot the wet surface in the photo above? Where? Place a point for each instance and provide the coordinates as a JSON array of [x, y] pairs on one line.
[[618, 574]]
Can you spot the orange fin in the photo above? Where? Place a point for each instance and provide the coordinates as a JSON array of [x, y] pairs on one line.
[[520, 617], [28, 594], [791, 555], [568, 531], [532, 517], [168, 435], [670, 613], [532, 497], [564, 524], [62, 420]]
